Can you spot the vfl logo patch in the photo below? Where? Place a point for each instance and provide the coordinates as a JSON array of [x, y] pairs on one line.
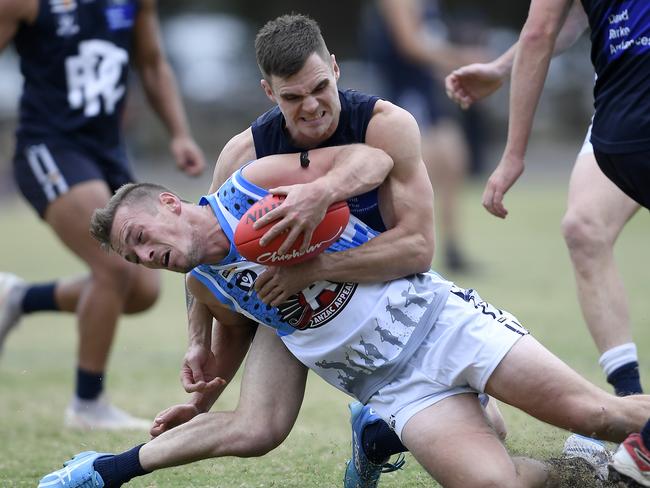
[[315, 306], [246, 279]]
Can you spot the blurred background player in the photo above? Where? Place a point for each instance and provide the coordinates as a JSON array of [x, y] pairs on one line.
[[596, 213], [406, 40], [70, 157]]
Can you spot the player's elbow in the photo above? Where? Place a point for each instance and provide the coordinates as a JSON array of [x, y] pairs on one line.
[[382, 165], [537, 36], [422, 250]]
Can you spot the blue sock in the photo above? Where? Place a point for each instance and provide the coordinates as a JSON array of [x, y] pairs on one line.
[[89, 385], [39, 298], [121, 468], [645, 434], [626, 380], [380, 442]]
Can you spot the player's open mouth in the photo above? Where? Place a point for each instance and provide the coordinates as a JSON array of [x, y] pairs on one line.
[[314, 119], [165, 260]]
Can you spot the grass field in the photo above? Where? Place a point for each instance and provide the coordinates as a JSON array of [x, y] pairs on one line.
[[523, 267]]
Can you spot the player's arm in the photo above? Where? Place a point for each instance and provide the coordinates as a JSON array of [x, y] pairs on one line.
[[536, 45], [215, 350], [12, 13], [238, 151], [218, 342], [334, 174], [476, 81], [406, 201], [344, 171], [160, 86], [403, 19]]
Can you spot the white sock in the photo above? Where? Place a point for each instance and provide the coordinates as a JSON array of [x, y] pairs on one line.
[[616, 357]]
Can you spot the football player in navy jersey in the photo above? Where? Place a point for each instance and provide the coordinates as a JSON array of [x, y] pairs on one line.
[[70, 157], [620, 137]]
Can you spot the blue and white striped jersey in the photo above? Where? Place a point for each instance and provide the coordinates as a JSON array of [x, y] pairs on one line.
[[355, 336]]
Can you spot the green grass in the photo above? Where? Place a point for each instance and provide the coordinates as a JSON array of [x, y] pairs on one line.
[[523, 267]]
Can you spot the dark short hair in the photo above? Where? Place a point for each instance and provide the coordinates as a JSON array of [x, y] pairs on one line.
[[283, 45], [101, 223]]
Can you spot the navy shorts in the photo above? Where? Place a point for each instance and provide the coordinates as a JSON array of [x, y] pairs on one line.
[[630, 172], [47, 168]]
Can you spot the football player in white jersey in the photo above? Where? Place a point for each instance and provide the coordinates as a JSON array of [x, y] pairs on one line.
[[147, 224]]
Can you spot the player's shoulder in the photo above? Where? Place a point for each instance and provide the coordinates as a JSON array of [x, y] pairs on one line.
[[387, 112], [238, 151], [388, 118]]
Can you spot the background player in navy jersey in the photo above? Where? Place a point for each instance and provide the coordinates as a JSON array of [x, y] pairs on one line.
[[407, 42], [70, 157], [620, 136], [597, 211]]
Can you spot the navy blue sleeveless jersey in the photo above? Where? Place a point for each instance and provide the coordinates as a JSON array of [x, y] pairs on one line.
[[620, 37], [74, 59], [270, 137]]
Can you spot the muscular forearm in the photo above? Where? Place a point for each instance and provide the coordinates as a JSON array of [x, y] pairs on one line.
[[528, 75], [229, 346], [573, 27], [160, 86], [199, 322], [386, 257], [356, 169]]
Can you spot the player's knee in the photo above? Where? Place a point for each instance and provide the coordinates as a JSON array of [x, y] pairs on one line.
[[144, 291], [258, 440], [584, 235], [113, 273]]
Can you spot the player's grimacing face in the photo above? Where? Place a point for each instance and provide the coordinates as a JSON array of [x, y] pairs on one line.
[[156, 241], [309, 100]]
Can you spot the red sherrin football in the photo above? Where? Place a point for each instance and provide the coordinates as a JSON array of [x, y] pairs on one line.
[[325, 234]]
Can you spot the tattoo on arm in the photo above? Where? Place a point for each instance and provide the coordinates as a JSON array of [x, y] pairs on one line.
[[189, 298]]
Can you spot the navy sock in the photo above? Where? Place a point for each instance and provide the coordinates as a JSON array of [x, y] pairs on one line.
[[39, 298], [626, 380], [121, 468], [89, 385], [645, 434], [380, 442]]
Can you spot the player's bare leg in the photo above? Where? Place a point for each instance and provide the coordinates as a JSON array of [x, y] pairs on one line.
[[143, 294], [446, 156], [268, 406], [448, 437], [102, 301], [597, 212], [534, 380]]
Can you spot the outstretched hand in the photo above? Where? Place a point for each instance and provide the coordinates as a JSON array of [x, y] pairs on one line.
[[473, 82], [199, 371], [172, 417], [301, 211], [500, 181], [188, 155]]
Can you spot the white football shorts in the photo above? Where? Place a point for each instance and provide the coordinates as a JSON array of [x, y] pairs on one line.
[[467, 343]]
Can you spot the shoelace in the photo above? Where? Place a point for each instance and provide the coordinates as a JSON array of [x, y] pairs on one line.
[[398, 464]]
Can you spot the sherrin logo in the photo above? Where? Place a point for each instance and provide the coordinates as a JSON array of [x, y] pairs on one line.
[[274, 257]]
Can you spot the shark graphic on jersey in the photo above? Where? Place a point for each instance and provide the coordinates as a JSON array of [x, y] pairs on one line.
[[355, 336]]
